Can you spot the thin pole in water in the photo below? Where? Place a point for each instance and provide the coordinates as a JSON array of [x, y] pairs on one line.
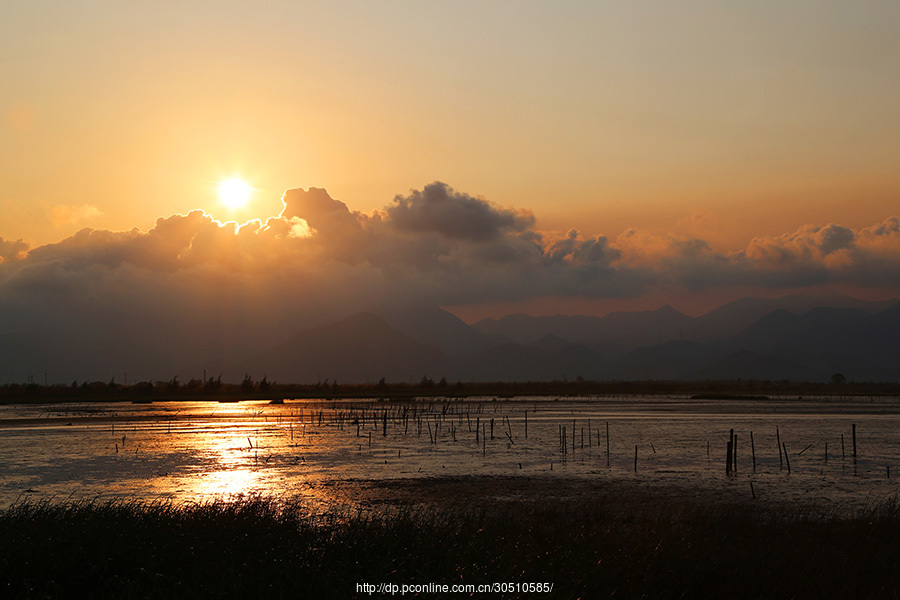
[[728, 450], [753, 452], [786, 458], [734, 455]]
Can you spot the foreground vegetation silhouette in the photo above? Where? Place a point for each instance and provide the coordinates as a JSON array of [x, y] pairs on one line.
[[651, 547]]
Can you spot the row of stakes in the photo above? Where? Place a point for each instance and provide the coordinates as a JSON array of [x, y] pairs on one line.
[[783, 457], [360, 416]]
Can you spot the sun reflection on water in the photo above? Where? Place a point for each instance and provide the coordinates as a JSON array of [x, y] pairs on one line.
[[236, 482], [229, 457]]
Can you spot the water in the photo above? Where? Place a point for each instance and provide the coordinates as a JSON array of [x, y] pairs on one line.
[[191, 451]]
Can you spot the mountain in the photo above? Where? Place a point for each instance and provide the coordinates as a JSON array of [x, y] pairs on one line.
[[730, 319], [670, 360], [517, 362], [790, 338], [436, 327], [861, 345], [553, 343], [357, 349], [745, 364], [809, 344], [613, 335]]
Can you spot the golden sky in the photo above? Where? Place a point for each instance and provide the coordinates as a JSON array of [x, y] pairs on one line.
[[655, 150], [762, 116]]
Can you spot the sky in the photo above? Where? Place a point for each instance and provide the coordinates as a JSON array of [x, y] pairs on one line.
[[491, 157]]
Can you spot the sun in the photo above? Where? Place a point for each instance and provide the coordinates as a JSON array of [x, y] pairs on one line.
[[234, 192]]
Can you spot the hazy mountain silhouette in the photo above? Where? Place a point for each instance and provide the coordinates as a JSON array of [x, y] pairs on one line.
[[357, 349], [730, 319], [746, 364], [613, 335], [436, 327], [518, 362], [788, 338], [862, 345], [553, 343], [669, 360]]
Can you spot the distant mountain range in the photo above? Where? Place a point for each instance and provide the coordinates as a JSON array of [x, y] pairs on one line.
[[793, 338], [798, 338]]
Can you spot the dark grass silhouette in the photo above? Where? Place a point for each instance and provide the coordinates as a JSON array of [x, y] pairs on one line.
[[653, 548]]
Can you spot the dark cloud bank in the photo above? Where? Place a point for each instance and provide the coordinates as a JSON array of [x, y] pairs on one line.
[[193, 291]]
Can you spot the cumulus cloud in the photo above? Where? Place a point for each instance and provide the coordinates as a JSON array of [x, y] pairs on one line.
[[12, 250], [439, 208], [809, 244], [193, 286]]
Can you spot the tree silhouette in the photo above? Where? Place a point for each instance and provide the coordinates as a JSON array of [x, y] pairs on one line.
[[838, 378]]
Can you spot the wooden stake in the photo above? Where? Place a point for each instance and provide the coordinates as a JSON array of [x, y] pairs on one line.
[[786, 457], [729, 448], [753, 452], [734, 455]]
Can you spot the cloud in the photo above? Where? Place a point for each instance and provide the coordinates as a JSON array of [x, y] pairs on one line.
[[62, 214], [314, 206], [194, 286], [453, 247], [809, 244], [12, 250], [438, 208]]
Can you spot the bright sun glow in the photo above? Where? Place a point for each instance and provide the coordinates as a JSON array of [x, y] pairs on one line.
[[234, 192]]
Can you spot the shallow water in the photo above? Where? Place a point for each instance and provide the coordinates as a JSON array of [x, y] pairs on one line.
[[188, 451]]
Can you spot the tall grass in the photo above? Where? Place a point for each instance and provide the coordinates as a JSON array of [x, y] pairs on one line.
[[266, 548]]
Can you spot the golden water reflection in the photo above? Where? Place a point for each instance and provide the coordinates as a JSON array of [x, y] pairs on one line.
[[231, 461], [315, 450], [226, 483]]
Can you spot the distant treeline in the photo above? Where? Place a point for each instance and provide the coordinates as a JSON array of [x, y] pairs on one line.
[[251, 389]]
